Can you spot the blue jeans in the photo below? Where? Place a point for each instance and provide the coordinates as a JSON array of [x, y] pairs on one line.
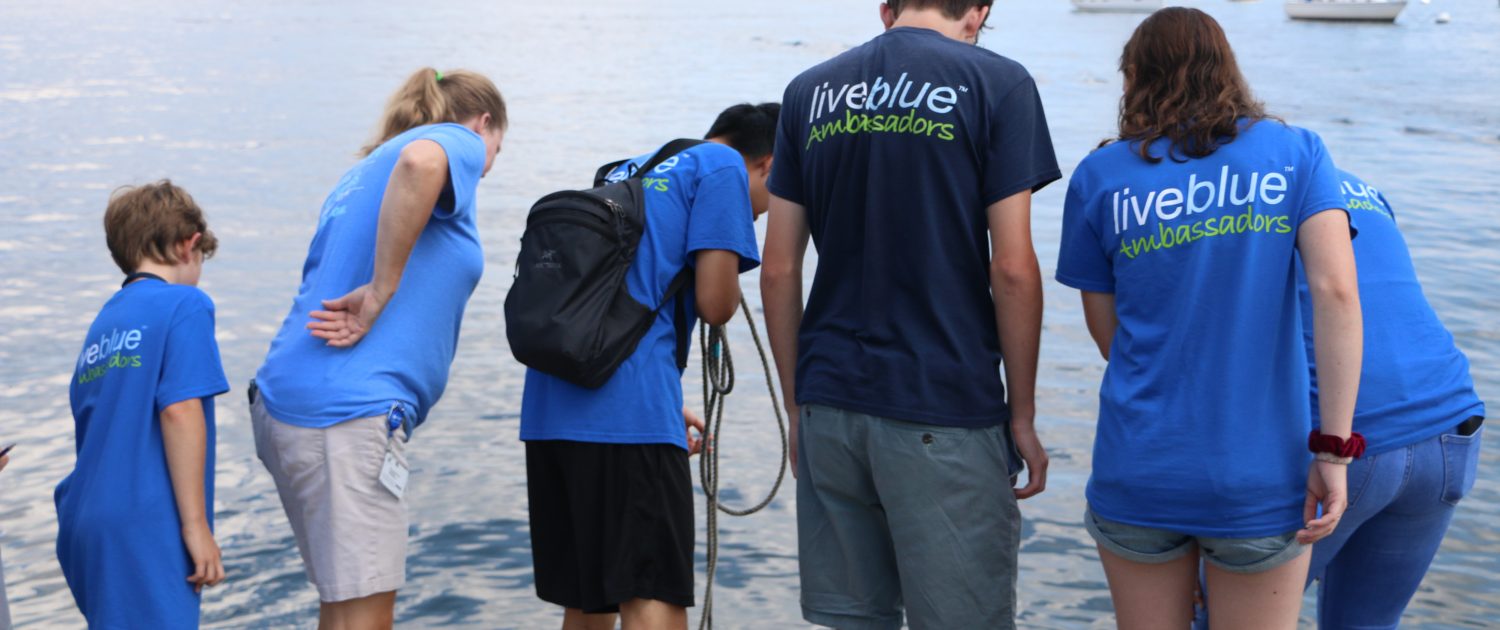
[[1400, 504]]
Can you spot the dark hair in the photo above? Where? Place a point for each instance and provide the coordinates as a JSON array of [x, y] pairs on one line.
[[429, 97], [750, 129], [147, 222], [1182, 83], [954, 9]]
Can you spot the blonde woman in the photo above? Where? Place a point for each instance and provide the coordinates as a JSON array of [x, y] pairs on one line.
[[364, 353]]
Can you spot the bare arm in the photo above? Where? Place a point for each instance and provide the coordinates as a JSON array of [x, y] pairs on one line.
[[1016, 282], [781, 295], [415, 185], [1099, 315], [184, 434], [1338, 345], [716, 285]]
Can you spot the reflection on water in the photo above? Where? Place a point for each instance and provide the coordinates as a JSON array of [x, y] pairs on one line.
[[258, 107]]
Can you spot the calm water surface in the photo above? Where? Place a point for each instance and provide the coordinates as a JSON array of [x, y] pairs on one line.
[[258, 106]]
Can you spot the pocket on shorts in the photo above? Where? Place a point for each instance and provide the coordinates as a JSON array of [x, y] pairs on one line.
[[1460, 464]]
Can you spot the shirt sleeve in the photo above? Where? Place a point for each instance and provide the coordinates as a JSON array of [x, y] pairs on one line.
[[1082, 262], [1322, 188], [721, 218], [786, 166], [1019, 156], [465, 150], [190, 360]]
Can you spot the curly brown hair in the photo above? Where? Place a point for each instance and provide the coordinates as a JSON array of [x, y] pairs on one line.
[[1182, 83], [145, 223]]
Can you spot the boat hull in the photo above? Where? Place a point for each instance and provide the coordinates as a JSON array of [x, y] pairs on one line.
[[1345, 11], [1117, 6]]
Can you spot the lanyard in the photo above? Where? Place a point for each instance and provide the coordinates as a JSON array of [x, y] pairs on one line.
[[140, 275]]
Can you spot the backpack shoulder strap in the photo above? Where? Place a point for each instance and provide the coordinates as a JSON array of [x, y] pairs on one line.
[[672, 148]]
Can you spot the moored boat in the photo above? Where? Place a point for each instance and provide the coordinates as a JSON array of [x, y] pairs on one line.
[[1350, 10], [1117, 6]]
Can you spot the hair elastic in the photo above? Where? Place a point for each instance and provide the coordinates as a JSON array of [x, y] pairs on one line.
[[439, 78]]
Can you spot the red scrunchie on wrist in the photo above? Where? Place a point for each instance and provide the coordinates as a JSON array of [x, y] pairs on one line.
[[1335, 445]]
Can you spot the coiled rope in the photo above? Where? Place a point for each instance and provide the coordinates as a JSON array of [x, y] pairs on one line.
[[718, 382]]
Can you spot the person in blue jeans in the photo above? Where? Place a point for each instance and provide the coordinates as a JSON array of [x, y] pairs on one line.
[[1419, 412], [1183, 237]]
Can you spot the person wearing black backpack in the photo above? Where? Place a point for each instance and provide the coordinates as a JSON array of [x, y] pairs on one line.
[[610, 488]]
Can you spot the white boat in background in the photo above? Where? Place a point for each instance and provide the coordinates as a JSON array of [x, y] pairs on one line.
[[1117, 6], [1352, 10]]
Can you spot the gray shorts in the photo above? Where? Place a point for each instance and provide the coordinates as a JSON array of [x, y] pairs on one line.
[[894, 515], [4, 607], [1148, 545], [350, 529]]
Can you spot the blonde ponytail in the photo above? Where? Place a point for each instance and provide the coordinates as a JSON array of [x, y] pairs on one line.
[[428, 97]]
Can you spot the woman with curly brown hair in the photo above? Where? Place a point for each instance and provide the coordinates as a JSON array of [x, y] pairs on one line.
[[1182, 235]]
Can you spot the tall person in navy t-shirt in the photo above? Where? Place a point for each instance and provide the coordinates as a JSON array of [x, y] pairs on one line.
[[910, 161], [340, 392], [1182, 237], [135, 517], [608, 483]]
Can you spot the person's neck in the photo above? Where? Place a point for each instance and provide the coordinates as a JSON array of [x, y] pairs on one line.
[[933, 20], [170, 273]]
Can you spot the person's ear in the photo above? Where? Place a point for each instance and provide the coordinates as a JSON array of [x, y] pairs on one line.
[[185, 248], [763, 165], [887, 16], [974, 22]]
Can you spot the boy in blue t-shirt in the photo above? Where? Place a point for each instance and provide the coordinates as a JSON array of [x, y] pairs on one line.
[[609, 485], [135, 519]]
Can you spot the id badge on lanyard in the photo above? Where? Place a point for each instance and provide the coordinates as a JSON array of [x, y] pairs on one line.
[[394, 473]]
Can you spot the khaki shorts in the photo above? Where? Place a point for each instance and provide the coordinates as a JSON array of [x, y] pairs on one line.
[[350, 529]]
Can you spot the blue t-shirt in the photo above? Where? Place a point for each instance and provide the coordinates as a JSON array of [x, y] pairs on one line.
[[896, 149], [119, 538], [1203, 415], [1414, 383], [405, 357], [697, 200]]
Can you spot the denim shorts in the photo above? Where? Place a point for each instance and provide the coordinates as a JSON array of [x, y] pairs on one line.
[[1148, 545]]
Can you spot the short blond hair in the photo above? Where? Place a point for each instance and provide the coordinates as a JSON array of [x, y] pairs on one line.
[[146, 222]]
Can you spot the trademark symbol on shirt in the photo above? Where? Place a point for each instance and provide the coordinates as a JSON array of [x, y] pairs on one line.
[[1290, 168], [963, 88]]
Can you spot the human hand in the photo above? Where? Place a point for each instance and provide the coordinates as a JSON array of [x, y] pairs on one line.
[[348, 319], [692, 421], [1023, 431], [208, 565], [1327, 486]]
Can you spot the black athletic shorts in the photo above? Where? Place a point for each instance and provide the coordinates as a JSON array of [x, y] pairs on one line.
[[610, 523]]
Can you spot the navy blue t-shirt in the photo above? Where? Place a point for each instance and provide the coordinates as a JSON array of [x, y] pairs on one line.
[[1414, 383], [896, 149]]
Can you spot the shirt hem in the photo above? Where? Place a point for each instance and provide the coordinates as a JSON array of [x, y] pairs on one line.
[[310, 422], [908, 415], [1084, 285], [679, 441], [1427, 433], [207, 391], [1034, 183], [1190, 529]]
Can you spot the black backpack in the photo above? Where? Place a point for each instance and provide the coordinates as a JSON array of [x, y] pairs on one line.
[[569, 313]]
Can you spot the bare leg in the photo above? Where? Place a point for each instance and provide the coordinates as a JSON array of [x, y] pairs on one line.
[[377, 611], [1150, 596], [576, 619], [650, 614], [1257, 601]]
